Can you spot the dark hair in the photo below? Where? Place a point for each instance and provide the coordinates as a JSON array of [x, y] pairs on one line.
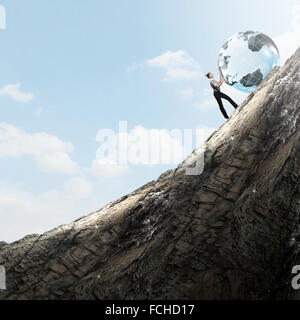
[[207, 75]]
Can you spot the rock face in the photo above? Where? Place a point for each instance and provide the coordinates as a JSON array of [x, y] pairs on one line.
[[231, 232]]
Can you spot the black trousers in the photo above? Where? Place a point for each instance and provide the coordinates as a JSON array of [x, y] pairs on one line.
[[219, 96]]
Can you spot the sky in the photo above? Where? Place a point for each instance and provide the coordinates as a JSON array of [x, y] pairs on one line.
[[70, 71]]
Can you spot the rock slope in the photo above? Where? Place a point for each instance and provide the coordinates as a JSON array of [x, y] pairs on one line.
[[231, 232]]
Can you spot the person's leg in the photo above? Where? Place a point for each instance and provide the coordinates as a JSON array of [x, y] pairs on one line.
[[220, 103], [224, 96]]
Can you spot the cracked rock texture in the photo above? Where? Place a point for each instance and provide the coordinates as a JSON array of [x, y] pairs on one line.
[[231, 232]]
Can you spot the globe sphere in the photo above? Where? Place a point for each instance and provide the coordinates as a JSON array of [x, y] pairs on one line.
[[246, 59]]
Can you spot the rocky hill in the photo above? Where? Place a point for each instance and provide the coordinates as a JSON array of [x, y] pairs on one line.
[[231, 232]]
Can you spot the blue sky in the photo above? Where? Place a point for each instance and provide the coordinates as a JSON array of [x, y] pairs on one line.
[[72, 68]]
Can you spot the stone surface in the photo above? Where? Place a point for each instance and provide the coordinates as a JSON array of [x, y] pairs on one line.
[[230, 233]]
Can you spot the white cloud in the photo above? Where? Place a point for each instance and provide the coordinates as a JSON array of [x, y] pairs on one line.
[[50, 153], [27, 212], [108, 168], [78, 188], [57, 162], [289, 42], [14, 92], [177, 65]]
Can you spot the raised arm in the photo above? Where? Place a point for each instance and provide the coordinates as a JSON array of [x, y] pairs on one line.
[[221, 81]]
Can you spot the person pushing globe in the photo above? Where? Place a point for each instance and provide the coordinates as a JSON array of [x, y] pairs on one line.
[[244, 62]]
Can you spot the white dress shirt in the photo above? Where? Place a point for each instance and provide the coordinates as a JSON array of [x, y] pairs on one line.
[[214, 84]]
